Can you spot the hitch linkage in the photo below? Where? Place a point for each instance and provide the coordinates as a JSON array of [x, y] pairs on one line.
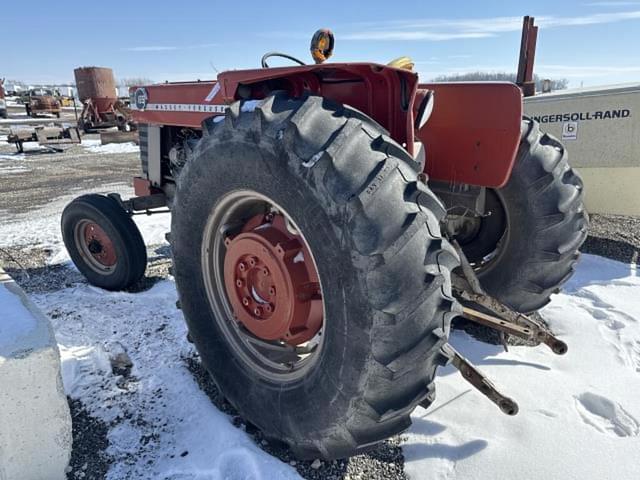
[[467, 288], [476, 378], [508, 321]]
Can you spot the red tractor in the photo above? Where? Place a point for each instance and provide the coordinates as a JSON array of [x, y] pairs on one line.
[[329, 221]]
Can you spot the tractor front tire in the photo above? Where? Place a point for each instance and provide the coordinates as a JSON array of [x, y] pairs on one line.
[[103, 242], [373, 231], [539, 222]]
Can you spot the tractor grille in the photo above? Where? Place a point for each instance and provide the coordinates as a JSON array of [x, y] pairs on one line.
[[143, 133]]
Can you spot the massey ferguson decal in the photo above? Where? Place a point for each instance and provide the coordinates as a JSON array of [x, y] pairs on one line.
[[186, 107], [577, 116], [140, 98]]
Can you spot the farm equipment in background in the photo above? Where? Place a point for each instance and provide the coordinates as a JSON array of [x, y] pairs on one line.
[[101, 107], [66, 101], [329, 221], [38, 101], [47, 136]]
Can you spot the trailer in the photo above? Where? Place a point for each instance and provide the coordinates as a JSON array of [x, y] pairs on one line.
[[47, 136], [600, 127]]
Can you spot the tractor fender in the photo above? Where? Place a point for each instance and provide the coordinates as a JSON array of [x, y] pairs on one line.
[[473, 133]]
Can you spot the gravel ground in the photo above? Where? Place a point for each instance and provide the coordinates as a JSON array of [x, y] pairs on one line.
[[614, 236], [30, 180], [35, 179], [88, 457]]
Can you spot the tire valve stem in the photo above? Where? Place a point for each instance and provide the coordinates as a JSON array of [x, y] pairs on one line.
[[479, 381]]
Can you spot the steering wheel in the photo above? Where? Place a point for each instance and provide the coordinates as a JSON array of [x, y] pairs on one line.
[[279, 54]]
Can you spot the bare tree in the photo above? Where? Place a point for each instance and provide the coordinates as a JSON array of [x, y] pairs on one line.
[[556, 84]]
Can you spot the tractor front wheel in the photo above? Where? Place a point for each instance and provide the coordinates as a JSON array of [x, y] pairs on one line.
[[312, 273], [103, 242]]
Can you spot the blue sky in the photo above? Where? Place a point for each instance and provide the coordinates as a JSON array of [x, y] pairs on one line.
[[588, 42]]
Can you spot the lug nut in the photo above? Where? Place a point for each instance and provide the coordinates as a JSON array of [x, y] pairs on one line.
[[265, 272], [252, 261], [257, 311], [239, 283], [268, 308], [242, 266], [272, 291], [245, 301]]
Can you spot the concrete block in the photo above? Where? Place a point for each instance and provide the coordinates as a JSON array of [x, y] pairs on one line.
[[35, 423]]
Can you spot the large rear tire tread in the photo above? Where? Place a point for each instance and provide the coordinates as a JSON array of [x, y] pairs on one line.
[[544, 200], [388, 226]]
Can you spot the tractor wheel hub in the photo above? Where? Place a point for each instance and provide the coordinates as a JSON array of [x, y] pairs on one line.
[[99, 245], [271, 281]]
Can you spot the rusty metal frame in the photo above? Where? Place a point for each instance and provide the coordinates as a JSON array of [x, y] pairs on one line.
[[527, 57], [478, 380]]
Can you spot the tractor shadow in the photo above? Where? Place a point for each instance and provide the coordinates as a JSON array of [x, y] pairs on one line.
[[423, 450], [424, 428], [452, 453], [158, 268], [385, 460], [29, 267]]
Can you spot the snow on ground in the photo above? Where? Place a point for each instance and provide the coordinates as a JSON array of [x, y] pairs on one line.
[[579, 413], [190, 438], [29, 147], [95, 146], [24, 119]]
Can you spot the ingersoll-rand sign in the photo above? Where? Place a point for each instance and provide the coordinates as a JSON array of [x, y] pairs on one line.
[[601, 129]]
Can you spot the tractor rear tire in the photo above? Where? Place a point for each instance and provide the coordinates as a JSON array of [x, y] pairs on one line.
[[373, 231], [103, 242], [542, 208]]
